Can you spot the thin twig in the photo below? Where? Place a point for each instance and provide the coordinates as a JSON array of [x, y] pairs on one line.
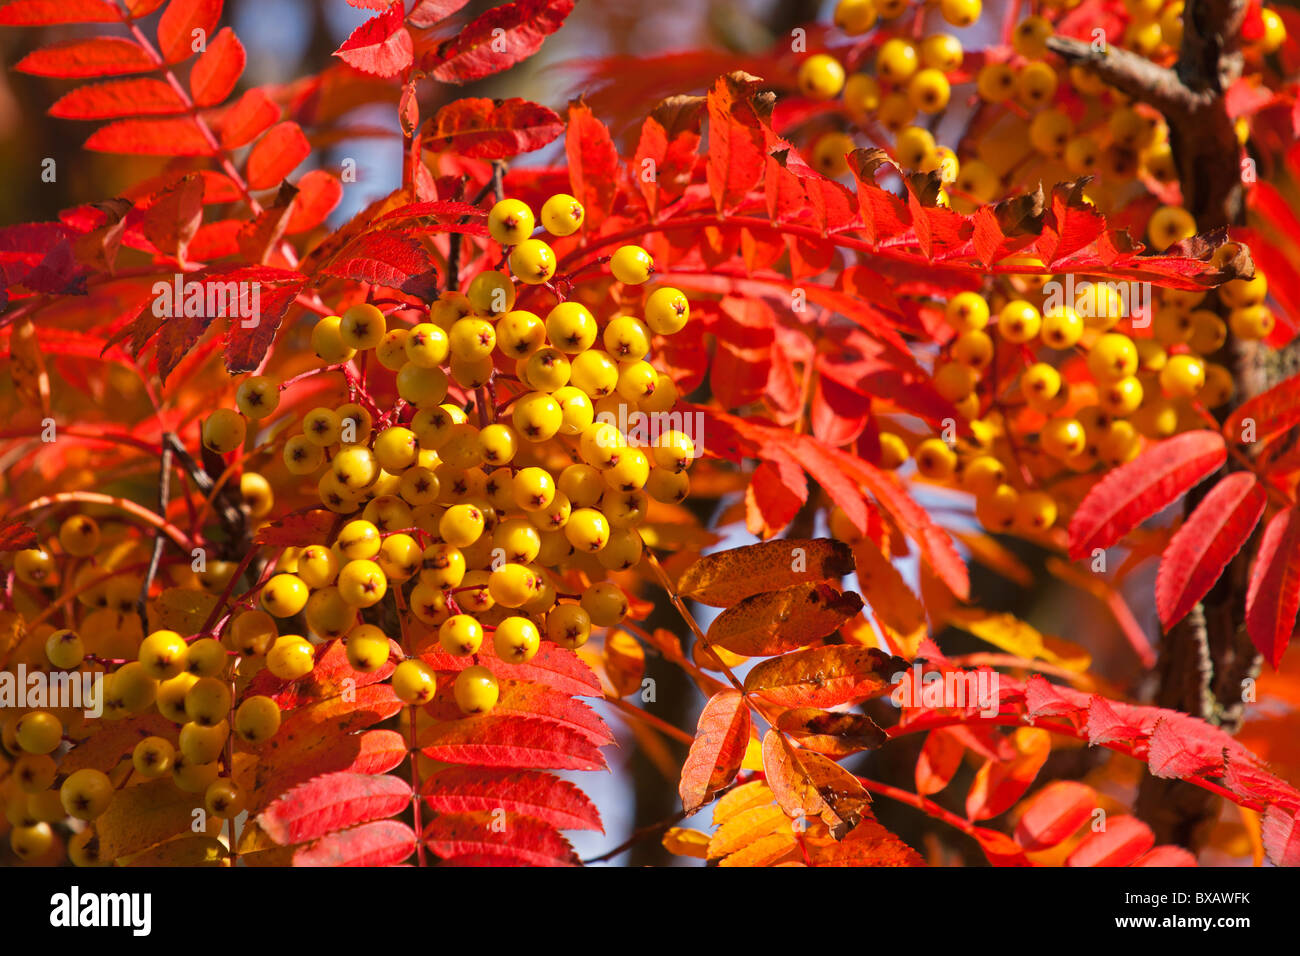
[[164, 498], [494, 186]]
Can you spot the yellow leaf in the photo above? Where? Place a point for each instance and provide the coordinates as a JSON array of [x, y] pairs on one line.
[[1009, 633], [765, 851], [746, 827], [1066, 654], [742, 798], [183, 610], [142, 816], [1004, 631], [190, 850], [753, 755], [683, 841], [256, 848]]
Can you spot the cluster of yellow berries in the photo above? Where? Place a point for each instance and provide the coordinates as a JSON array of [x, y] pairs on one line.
[[471, 520], [189, 683], [911, 78], [1089, 396], [476, 526]]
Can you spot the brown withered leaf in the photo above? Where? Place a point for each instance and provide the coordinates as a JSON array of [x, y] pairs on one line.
[[175, 215], [724, 578], [868, 161], [824, 676], [1232, 259], [926, 186], [258, 237], [1022, 215], [777, 621], [100, 246], [718, 749], [677, 114], [829, 733], [809, 785]]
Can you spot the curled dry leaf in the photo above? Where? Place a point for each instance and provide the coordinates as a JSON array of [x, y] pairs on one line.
[[777, 621], [824, 676], [724, 578], [807, 785], [829, 733]]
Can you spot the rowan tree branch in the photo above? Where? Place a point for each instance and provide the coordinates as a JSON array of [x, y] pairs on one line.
[[1132, 74], [1191, 98]]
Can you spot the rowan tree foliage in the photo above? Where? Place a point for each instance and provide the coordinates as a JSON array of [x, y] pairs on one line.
[[360, 522]]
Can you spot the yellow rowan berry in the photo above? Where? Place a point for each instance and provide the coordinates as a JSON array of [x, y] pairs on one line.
[[224, 431], [1019, 321], [257, 397], [491, 293], [1183, 376], [821, 77], [414, 682], [935, 460], [893, 451], [1168, 225], [632, 265], [516, 640], [533, 261], [510, 222], [562, 215], [1062, 437], [327, 341], [605, 603], [291, 657], [363, 326], [476, 690]]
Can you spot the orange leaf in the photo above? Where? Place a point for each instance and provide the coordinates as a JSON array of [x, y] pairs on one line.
[[726, 577], [777, 621], [999, 784], [178, 25], [829, 733], [718, 749], [1054, 814], [218, 69], [276, 155], [870, 844], [1124, 841], [824, 676], [807, 784]]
